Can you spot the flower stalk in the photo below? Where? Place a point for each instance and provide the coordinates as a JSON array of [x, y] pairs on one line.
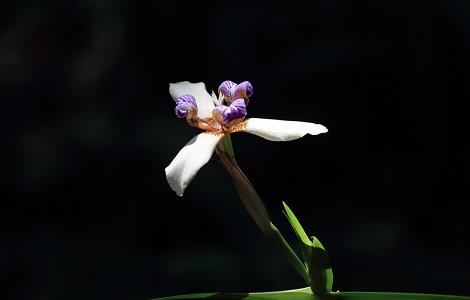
[[255, 206], [228, 146]]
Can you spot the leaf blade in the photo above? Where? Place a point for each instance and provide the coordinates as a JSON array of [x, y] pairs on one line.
[[294, 222], [306, 294]]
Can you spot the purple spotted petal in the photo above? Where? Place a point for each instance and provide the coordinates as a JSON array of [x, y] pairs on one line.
[[184, 104], [226, 88], [242, 90], [227, 114]]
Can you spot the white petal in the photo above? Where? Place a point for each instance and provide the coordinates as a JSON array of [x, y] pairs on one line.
[[278, 130], [195, 154], [198, 91]]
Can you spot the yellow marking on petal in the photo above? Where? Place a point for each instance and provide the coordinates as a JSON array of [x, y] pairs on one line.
[[236, 127]]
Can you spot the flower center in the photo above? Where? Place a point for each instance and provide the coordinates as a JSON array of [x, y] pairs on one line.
[[227, 116]]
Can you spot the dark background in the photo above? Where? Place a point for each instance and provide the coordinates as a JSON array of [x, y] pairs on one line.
[[87, 129]]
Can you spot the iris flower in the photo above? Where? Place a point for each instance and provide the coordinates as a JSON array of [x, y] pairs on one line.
[[219, 116]]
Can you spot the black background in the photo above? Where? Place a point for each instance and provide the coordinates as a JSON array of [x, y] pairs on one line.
[[88, 128]]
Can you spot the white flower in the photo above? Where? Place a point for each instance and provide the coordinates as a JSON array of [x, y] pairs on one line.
[[208, 113]]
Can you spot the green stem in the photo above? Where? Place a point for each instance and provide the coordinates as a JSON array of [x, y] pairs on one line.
[[257, 210], [228, 146]]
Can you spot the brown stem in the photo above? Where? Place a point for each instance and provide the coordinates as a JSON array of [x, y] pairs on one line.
[[248, 195]]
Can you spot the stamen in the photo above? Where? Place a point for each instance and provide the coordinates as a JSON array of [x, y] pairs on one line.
[[217, 100]]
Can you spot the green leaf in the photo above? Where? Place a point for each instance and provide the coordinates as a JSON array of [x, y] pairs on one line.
[[306, 294], [296, 225], [320, 274], [297, 294], [318, 268]]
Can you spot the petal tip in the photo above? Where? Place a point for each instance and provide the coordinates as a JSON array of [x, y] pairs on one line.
[[173, 85], [195, 154], [317, 129], [178, 189]]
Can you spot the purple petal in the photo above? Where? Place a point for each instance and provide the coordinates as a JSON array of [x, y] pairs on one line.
[[184, 104], [242, 90], [226, 88], [226, 114]]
